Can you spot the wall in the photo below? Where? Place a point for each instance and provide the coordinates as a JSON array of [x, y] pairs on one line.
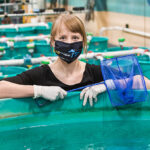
[[135, 13]]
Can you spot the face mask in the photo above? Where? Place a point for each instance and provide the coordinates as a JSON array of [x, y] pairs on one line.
[[68, 51]]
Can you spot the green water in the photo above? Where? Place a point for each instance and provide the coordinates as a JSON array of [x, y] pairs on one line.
[[104, 135]]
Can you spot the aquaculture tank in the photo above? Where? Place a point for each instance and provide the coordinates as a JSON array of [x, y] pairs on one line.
[[67, 125]]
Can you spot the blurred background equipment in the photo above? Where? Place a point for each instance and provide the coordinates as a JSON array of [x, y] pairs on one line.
[[90, 7], [26, 26], [6, 19]]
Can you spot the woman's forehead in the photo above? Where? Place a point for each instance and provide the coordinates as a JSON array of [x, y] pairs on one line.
[[64, 30]]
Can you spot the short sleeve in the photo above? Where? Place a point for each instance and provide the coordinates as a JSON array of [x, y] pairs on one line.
[[30, 77]]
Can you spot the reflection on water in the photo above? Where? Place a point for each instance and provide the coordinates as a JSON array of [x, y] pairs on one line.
[[106, 135]]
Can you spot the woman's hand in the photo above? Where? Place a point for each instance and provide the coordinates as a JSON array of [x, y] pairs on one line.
[[51, 93], [90, 93]]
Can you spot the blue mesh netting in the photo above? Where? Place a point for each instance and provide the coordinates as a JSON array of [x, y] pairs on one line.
[[124, 80]]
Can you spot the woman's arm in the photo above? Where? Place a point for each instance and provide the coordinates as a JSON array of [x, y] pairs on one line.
[[12, 90], [137, 82], [147, 82]]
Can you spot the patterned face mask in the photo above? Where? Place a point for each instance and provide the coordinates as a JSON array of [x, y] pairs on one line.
[[68, 51]]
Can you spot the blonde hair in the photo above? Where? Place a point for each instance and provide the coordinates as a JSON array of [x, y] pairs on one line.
[[73, 24]]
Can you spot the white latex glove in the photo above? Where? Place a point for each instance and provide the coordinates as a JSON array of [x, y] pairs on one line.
[[91, 93], [51, 93]]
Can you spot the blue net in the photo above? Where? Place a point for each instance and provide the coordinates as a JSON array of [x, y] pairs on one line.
[[124, 80]]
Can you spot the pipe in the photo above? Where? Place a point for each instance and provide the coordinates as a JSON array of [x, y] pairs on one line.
[[24, 25], [17, 62], [39, 37], [99, 58], [31, 14], [10, 4], [147, 53], [136, 32], [41, 14], [7, 26], [32, 24], [109, 28], [123, 53], [85, 56]]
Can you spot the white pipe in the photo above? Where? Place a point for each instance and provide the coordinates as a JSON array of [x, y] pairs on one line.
[[123, 53], [125, 30], [39, 37], [42, 14], [33, 14], [32, 24], [16, 62], [99, 58], [109, 28], [147, 53], [10, 4], [24, 25], [86, 56], [7, 26]]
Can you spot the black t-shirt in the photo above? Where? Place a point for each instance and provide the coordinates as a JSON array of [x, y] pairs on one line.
[[44, 76]]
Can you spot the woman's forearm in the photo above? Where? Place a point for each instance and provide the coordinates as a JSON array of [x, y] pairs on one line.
[[147, 82], [12, 90]]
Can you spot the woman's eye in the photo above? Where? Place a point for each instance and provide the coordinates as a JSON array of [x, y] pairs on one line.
[[62, 38], [75, 37]]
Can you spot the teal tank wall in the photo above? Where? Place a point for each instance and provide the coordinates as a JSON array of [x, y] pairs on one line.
[[67, 125]]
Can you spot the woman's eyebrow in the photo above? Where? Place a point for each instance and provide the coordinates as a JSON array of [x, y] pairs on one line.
[[61, 34], [76, 33]]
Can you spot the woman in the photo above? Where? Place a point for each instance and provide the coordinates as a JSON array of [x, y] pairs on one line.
[[52, 81]]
